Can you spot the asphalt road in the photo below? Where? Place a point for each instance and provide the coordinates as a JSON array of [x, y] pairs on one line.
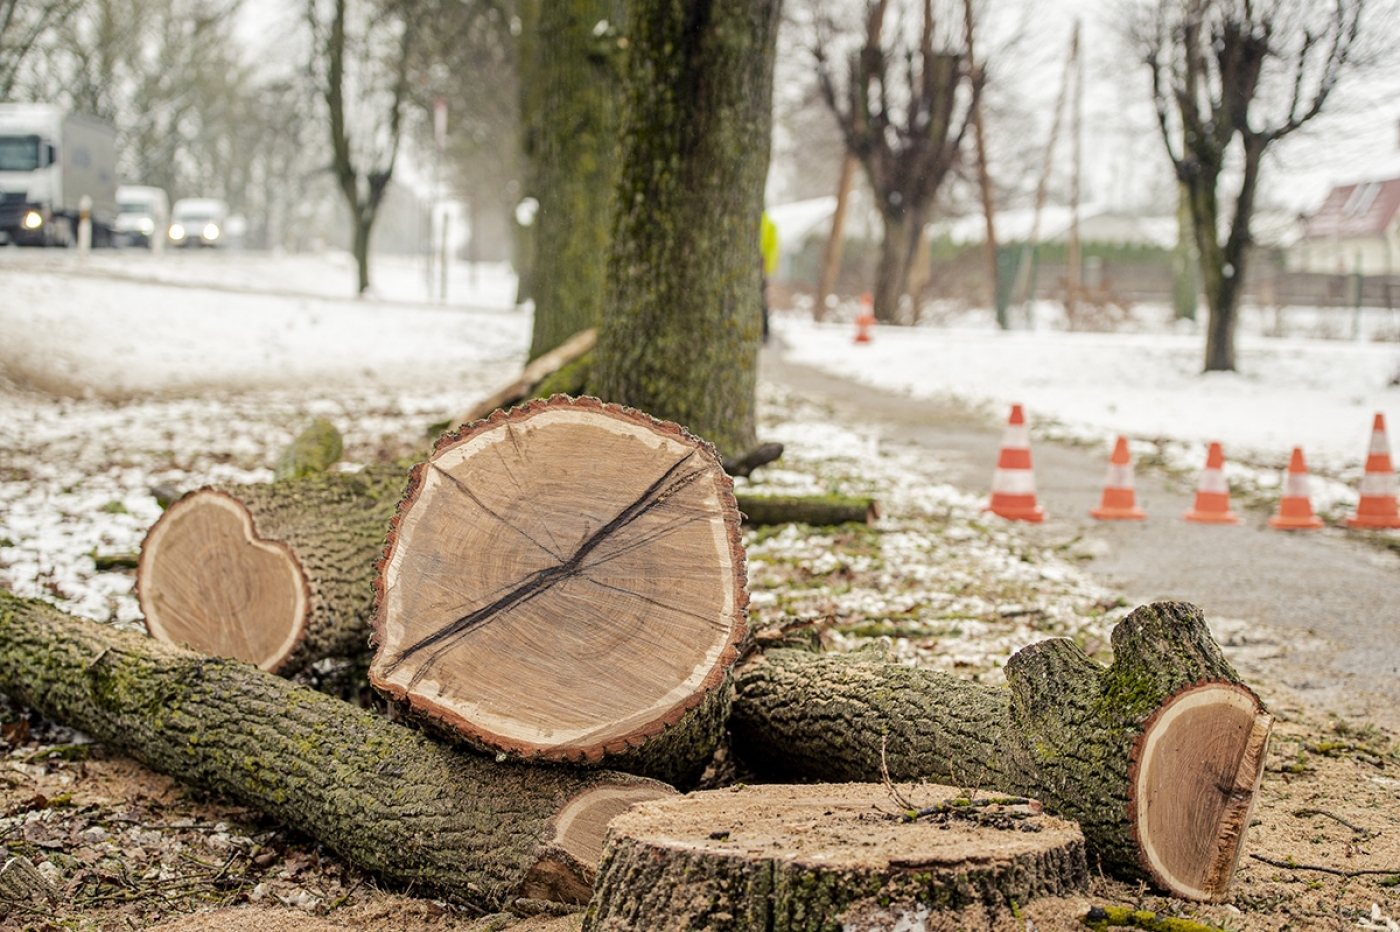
[[1321, 609]]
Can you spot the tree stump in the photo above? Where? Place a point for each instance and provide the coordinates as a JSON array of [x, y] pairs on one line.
[[827, 856], [1158, 757], [565, 582], [383, 796], [280, 575]]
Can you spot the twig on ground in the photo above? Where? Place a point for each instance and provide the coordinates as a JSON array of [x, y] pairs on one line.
[[1290, 864], [1363, 832]]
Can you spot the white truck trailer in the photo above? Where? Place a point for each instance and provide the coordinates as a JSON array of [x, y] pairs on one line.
[[53, 163]]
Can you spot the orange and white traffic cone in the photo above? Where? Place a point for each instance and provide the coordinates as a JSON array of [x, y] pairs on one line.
[[1378, 506], [865, 318], [1119, 499], [1295, 512], [1013, 483], [1213, 493]]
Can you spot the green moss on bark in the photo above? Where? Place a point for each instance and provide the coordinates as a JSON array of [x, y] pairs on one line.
[[682, 327]]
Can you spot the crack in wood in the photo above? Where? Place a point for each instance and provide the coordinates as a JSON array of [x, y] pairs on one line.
[[541, 581]]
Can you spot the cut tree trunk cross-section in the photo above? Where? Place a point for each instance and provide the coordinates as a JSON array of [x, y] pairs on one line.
[[825, 857], [1158, 757], [565, 581], [280, 575]]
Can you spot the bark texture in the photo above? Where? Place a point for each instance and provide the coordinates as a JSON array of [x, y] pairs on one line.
[[380, 795], [817, 510], [1068, 732], [573, 52], [280, 575], [827, 857], [565, 582], [683, 325]]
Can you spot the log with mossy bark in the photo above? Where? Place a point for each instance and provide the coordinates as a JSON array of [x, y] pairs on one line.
[[565, 582], [278, 574], [1158, 757], [381, 795], [824, 857], [816, 510]]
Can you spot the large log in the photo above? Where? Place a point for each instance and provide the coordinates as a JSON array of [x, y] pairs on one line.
[[824, 857], [1158, 757], [280, 575], [380, 795], [565, 582]]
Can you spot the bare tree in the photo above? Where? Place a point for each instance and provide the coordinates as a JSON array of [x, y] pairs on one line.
[[1229, 79], [22, 24], [905, 107], [362, 69]]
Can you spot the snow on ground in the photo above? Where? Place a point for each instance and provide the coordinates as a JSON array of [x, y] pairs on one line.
[[122, 372], [1320, 394]]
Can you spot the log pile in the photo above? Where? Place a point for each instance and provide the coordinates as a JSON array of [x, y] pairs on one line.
[[562, 587]]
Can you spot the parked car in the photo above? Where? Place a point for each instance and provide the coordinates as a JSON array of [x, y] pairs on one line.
[[141, 211], [198, 221]]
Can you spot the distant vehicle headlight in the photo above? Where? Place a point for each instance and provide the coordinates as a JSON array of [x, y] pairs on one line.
[[211, 231], [33, 220], [177, 232], [147, 226]]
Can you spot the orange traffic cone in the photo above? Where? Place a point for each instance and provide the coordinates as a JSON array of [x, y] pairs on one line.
[[1212, 493], [1119, 500], [1013, 483], [1295, 511], [1378, 507], [865, 318]]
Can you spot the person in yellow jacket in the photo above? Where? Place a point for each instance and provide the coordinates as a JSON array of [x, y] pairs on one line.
[[768, 249]]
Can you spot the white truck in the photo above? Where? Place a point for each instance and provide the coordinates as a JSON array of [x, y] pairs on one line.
[[53, 163]]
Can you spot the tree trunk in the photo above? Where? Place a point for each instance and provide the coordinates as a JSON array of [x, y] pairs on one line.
[[361, 251], [380, 795], [1158, 757], [817, 510], [827, 857], [539, 561], [683, 325], [836, 239], [897, 249], [570, 90], [279, 575]]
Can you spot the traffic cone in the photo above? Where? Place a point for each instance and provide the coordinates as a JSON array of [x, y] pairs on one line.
[[1377, 507], [865, 318], [1119, 500], [1212, 493], [1295, 511], [1013, 483]]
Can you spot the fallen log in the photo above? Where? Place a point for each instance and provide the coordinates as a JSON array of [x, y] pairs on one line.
[[565, 582], [382, 796], [826, 857], [1158, 757], [535, 372], [280, 575], [816, 510]]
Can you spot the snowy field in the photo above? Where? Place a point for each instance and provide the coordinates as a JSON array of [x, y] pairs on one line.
[[123, 373]]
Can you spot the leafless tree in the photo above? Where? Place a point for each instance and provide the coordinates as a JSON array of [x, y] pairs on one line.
[[904, 105], [22, 24], [361, 59], [1229, 79]]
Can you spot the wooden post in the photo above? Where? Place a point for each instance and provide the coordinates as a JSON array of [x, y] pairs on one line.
[[835, 242]]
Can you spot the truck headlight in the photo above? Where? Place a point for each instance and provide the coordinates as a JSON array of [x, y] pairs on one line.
[[33, 220], [211, 231], [177, 232]]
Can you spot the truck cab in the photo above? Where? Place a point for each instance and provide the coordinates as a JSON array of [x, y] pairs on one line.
[[55, 164]]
